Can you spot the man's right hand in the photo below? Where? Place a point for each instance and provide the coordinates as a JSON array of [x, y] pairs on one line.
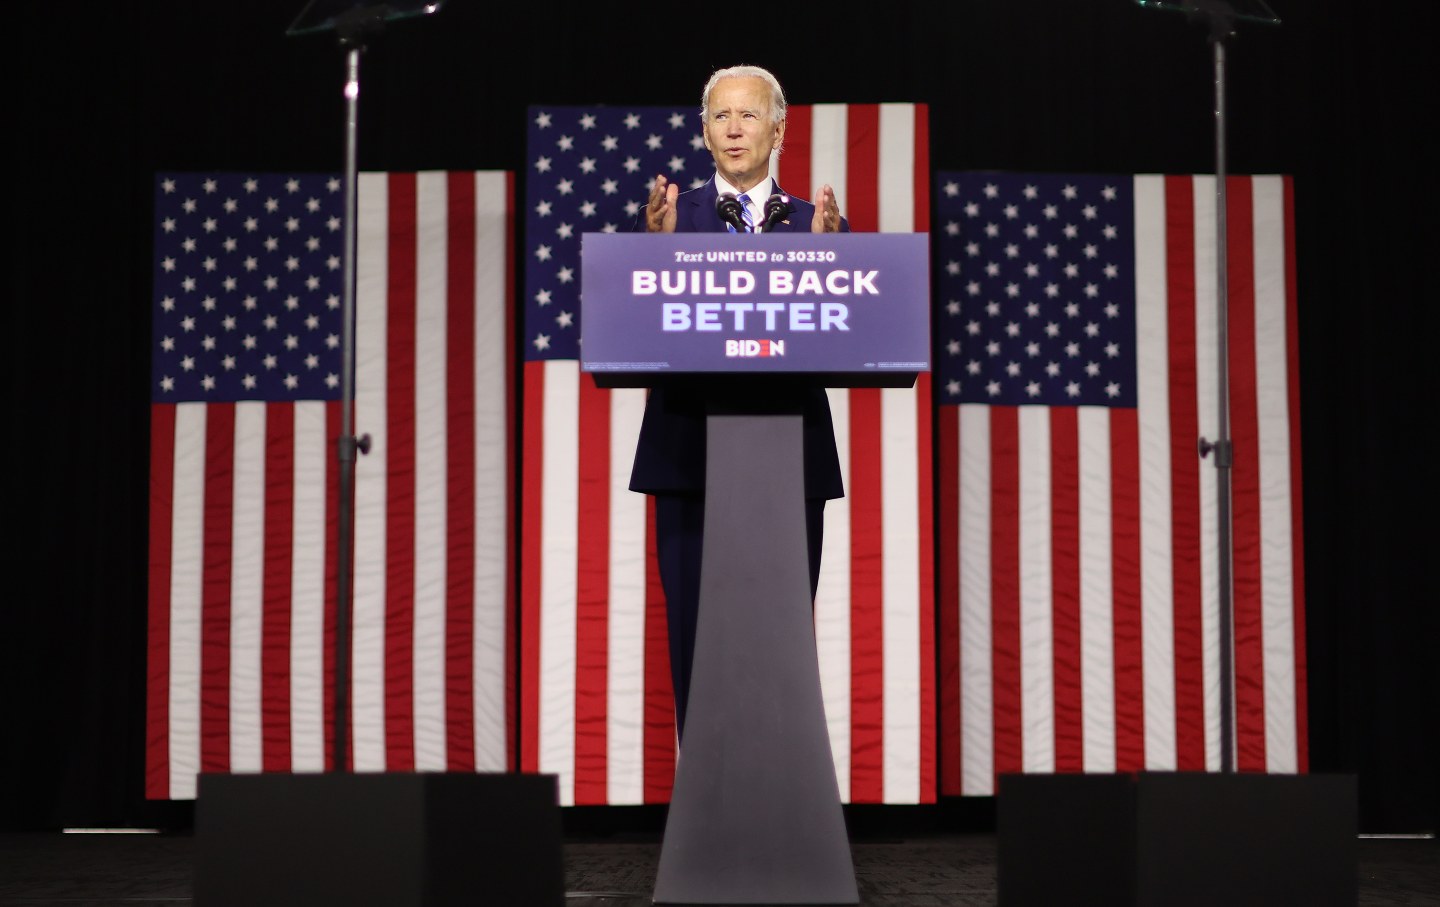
[[660, 209]]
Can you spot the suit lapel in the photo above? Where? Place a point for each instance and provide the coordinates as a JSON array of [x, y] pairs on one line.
[[700, 212]]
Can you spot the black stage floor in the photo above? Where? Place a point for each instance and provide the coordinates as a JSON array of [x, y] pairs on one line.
[[616, 870]]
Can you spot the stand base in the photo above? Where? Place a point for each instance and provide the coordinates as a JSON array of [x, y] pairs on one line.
[[389, 840], [1176, 839], [755, 815]]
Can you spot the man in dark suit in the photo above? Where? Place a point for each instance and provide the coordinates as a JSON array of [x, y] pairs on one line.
[[743, 115]]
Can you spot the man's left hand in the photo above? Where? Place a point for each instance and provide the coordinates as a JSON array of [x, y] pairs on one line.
[[827, 211]]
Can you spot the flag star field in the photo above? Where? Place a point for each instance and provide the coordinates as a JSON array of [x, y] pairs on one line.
[[592, 174], [1034, 281], [247, 287]]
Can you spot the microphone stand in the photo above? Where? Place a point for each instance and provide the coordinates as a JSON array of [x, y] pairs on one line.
[[728, 207], [776, 208]]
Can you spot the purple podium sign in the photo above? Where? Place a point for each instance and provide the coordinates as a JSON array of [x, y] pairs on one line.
[[827, 303]]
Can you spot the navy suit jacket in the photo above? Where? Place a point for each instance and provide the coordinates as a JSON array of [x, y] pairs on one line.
[[670, 458]]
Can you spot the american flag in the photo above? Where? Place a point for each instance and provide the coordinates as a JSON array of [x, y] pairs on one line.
[[245, 417], [596, 704], [1077, 368]]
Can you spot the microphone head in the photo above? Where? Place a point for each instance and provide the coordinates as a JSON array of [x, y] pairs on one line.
[[777, 207], [728, 207]]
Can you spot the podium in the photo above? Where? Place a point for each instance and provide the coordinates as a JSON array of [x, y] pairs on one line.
[[755, 815]]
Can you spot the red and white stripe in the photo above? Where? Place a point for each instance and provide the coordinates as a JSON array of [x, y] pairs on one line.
[[1079, 546], [874, 611], [596, 703], [244, 518]]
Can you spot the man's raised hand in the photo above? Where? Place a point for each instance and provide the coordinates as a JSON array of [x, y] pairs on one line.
[[827, 211], [660, 209]]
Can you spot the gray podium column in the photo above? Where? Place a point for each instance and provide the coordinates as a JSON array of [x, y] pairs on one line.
[[755, 815]]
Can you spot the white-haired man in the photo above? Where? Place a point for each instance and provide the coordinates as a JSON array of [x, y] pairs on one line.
[[742, 111]]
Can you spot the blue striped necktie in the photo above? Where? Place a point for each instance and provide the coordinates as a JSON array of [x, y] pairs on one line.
[[745, 212]]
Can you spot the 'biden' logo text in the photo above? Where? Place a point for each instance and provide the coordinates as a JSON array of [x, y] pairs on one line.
[[746, 349]]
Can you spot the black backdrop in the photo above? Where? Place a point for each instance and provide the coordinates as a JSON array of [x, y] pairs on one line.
[[99, 97]]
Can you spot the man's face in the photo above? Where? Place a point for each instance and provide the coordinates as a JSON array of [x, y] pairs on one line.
[[740, 132]]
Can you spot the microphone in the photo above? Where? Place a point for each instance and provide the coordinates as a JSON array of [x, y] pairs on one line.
[[728, 207], [776, 208]]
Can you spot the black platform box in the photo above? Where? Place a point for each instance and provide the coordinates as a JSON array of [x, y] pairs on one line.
[[1176, 839], [397, 840]]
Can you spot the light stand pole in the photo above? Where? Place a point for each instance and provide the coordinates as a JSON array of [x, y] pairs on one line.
[[1220, 15], [1204, 837], [353, 21], [351, 28], [309, 839], [1221, 28]]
